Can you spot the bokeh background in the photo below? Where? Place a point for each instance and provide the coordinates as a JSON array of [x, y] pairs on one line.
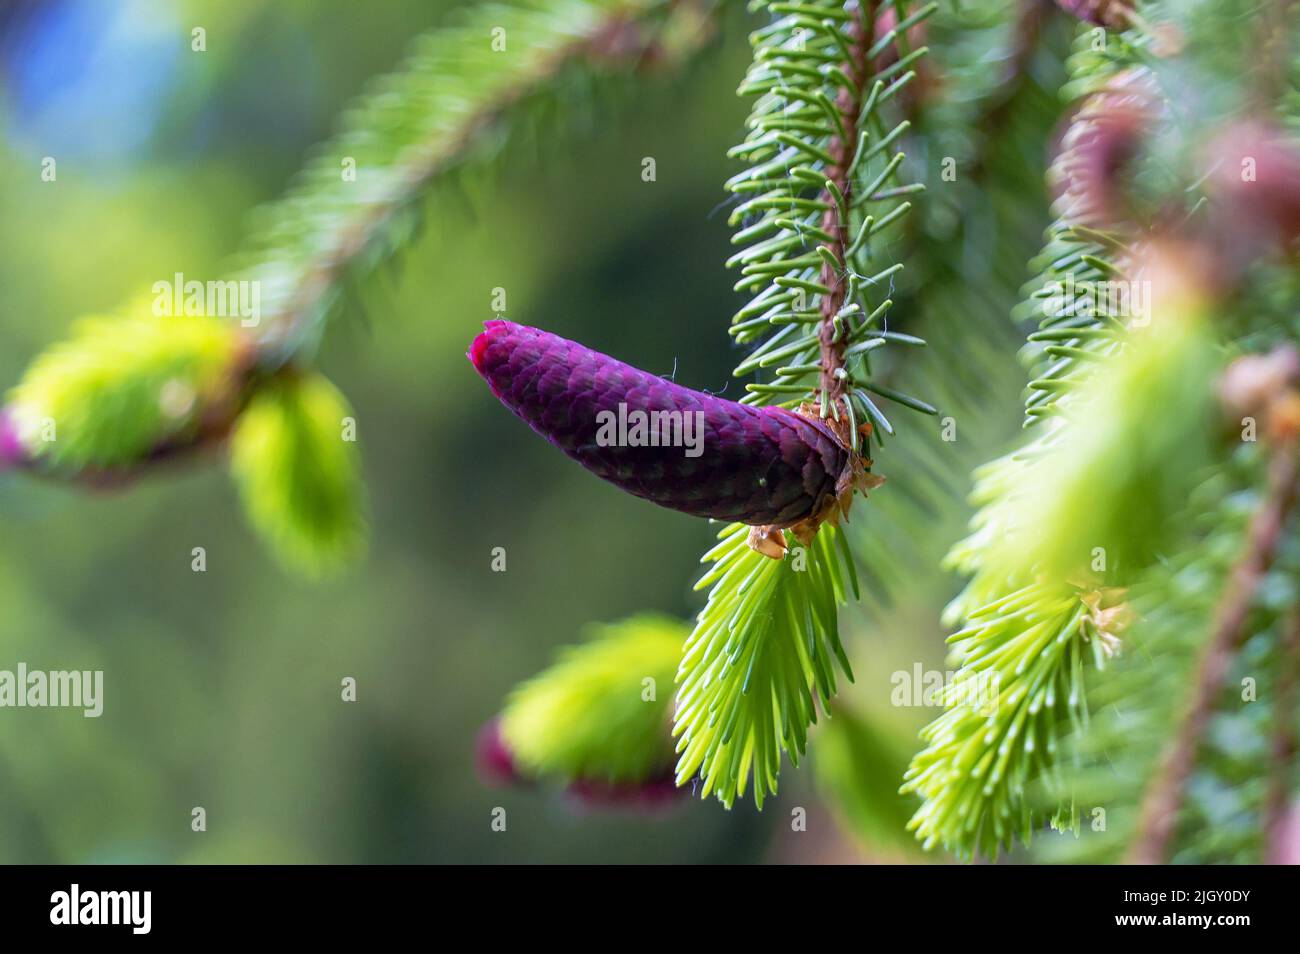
[[222, 689]]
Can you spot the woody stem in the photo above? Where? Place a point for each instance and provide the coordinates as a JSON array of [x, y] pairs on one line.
[[848, 102]]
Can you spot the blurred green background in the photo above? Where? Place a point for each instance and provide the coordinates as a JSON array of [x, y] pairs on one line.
[[222, 689]]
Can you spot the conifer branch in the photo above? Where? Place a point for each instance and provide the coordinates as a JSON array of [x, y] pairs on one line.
[[420, 124], [1110, 474], [759, 662], [1160, 805], [820, 189], [1035, 616], [839, 195], [969, 245], [1135, 702], [129, 392]]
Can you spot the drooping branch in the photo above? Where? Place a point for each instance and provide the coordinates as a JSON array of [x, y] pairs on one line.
[[459, 108], [421, 124], [146, 387], [817, 188]]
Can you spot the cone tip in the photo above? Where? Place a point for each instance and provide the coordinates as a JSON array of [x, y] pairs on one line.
[[493, 328]]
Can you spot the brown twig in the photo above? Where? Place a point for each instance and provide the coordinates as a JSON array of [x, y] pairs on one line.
[[1164, 794], [1277, 799], [848, 102]]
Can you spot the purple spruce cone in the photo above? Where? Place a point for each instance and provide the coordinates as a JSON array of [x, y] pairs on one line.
[[758, 466]]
